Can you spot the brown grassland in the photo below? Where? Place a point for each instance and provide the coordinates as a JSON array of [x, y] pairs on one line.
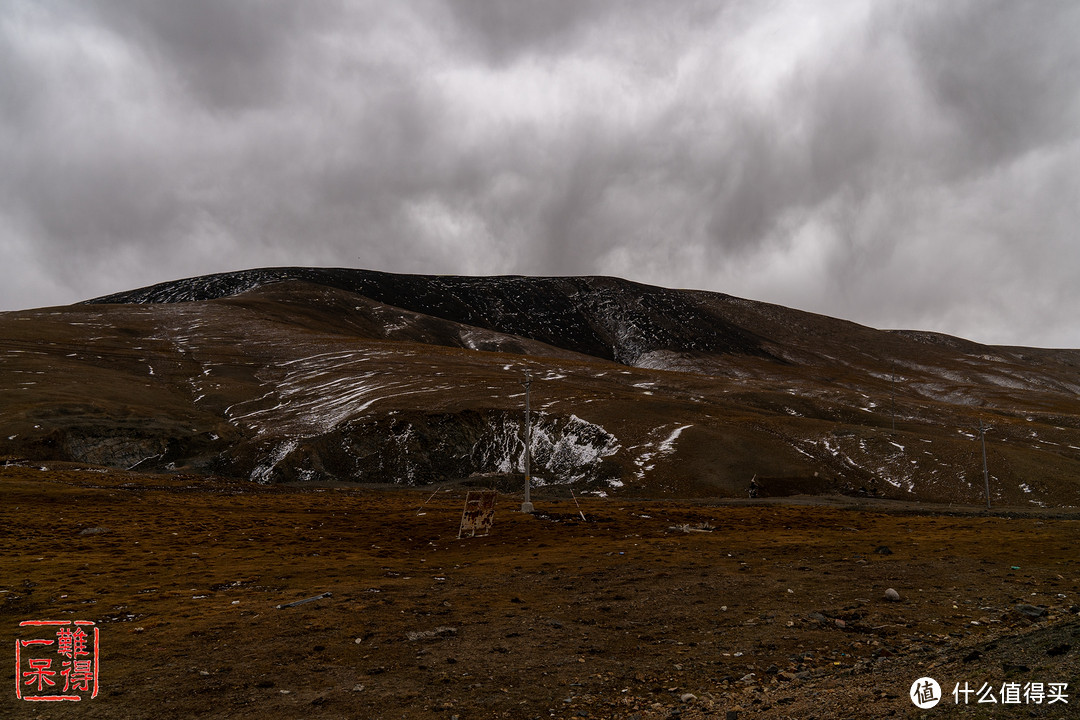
[[647, 609]]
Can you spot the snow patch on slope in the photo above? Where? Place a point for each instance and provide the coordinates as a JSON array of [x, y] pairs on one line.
[[264, 471], [565, 449], [646, 459], [320, 392]]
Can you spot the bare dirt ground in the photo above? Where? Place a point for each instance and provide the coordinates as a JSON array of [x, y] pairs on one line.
[[645, 610]]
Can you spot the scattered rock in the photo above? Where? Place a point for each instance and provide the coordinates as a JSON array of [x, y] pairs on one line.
[[789, 675], [688, 697], [818, 617], [892, 596], [1031, 611], [1059, 650], [92, 531], [305, 601], [883, 550], [439, 632]]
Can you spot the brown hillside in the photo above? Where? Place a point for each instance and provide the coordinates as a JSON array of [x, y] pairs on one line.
[[300, 380]]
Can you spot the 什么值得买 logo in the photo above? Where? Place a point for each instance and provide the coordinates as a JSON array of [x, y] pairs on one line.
[[925, 693]]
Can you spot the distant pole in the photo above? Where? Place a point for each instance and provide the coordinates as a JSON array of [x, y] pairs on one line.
[[527, 506], [892, 397], [986, 474]]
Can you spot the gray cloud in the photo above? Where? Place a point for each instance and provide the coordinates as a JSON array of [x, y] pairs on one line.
[[901, 164], [228, 56]]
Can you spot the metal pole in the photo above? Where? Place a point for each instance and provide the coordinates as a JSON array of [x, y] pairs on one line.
[[986, 474], [892, 397], [527, 506]]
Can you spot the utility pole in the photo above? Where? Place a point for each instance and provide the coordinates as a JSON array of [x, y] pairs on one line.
[[986, 474], [892, 396], [527, 506]]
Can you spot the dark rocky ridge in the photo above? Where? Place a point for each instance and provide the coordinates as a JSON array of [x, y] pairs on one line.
[[604, 317]]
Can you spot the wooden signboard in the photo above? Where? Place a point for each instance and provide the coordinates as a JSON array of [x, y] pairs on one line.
[[479, 513]]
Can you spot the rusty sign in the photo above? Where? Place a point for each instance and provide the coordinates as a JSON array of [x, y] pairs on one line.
[[479, 513]]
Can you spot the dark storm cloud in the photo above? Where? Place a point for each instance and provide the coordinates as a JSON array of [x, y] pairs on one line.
[[1007, 74], [899, 164], [228, 55], [503, 31]]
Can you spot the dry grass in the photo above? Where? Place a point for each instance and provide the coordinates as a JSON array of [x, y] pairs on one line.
[[617, 617]]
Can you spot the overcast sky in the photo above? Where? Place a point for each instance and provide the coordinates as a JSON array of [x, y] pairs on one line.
[[900, 164]]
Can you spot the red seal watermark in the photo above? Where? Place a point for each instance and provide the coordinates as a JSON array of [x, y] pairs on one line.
[[60, 661]]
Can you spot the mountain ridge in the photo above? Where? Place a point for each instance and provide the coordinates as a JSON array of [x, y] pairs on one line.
[[273, 376], [595, 315]]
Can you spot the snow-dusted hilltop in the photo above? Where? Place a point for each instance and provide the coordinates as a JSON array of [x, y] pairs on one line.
[[603, 317]]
